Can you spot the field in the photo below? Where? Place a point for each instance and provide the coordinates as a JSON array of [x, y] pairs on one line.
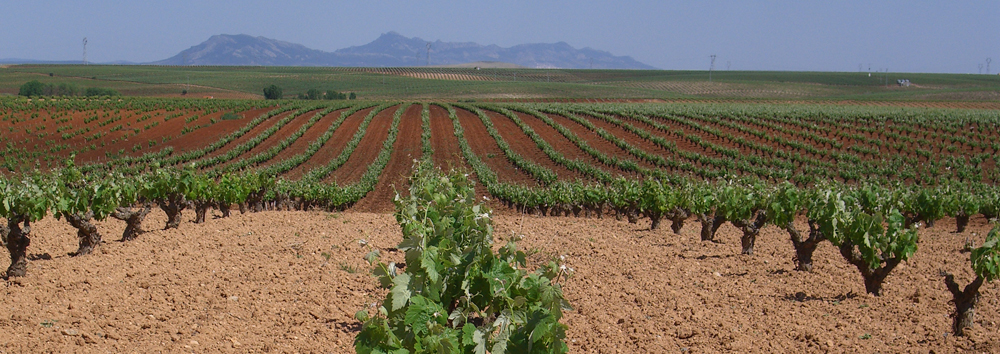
[[510, 84], [583, 164]]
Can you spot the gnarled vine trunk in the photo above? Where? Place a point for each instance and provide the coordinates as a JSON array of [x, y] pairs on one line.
[[750, 231], [200, 210], [873, 277], [965, 302], [710, 225], [961, 222], [86, 231], [804, 249], [677, 218], [18, 239], [173, 207], [654, 217], [224, 209], [133, 220]]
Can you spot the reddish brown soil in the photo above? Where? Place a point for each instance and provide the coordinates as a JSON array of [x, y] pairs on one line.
[[562, 144], [284, 132], [447, 154], [292, 281], [171, 130], [394, 177], [486, 148], [522, 144], [605, 145], [254, 132], [302, 143], [333, 147], [367, 149], [202, 137]]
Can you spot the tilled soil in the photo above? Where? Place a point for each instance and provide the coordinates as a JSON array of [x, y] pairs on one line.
[[292, 281]]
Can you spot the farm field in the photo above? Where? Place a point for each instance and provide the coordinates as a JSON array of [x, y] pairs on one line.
[[900, 188], [262, 282], [428, 83]]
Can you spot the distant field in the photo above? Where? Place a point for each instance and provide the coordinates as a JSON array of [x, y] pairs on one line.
[[509, 83]]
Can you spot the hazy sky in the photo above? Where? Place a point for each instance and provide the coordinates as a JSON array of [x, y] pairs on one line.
[[904, 36]]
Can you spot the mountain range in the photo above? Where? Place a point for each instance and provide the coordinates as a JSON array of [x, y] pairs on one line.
[[394, 50]]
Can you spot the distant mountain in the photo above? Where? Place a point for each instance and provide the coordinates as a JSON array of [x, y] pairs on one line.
[[393, 49]]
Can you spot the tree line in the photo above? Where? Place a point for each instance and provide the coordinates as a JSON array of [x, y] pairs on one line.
[[35, 88]]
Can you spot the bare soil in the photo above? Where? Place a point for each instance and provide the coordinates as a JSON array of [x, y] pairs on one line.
[[447, 154], [522, 144], [302, 143], [194, 143], [275, 139], [333, 147], [366, 151], [484, 146], [394, 177], [292, 281]]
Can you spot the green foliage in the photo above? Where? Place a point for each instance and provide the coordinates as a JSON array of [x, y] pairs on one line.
[[785, 204], [334, 95], [230, 116], [878, 243], [32, 88], [273, 92], [986, 259], [456, 294], [100, 91], [75, 194]]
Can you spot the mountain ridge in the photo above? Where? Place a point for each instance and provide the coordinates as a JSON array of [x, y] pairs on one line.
[[392, 49]]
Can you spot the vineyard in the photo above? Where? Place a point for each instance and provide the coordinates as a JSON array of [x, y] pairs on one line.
[[858, 192]]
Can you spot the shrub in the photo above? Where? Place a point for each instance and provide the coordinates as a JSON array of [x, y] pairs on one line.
[[230, 116], [334, 95], [100, 91], [986, 264], [457, 294], [314, 94], [273, 92], [32, 88]]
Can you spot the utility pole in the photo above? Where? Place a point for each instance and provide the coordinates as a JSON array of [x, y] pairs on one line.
[[84, 50], [711, 67]]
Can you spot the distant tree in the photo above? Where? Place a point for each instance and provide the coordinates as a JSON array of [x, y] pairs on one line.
[[314, 94], [353, 96], [334, 95], [273, 92], [32, 88], [100, 91]]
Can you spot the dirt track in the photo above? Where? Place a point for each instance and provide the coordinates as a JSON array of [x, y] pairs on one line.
[[292, 281]]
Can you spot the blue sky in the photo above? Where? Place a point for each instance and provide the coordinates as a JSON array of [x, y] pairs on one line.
[[903, 36]]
